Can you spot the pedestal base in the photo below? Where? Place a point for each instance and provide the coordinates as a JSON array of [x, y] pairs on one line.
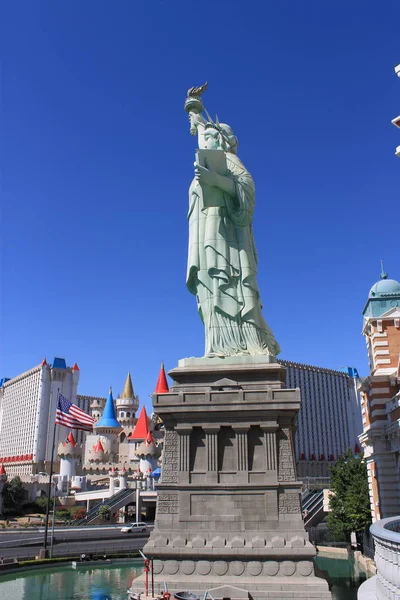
[[238, 580], [228, 509]]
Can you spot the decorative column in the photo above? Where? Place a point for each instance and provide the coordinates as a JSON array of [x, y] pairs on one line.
[[242, 452], [270, 443], [211, 432], [184, 432]]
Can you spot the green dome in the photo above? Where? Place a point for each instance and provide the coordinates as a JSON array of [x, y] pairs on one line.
[[384, 287]]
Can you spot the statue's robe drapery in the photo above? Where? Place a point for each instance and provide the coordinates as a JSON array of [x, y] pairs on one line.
[[222, 269]]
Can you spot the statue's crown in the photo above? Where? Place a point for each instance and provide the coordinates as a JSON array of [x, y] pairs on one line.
[[211, 125]]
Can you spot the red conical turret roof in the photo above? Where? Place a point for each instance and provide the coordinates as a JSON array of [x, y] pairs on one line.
[[98, 447], [2, 470], [71, 439], [141, 430], [75, 367], [162, 383], [149, 439], [44, 362]]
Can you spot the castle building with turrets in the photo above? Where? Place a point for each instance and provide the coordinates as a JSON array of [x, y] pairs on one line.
[[28, 405]]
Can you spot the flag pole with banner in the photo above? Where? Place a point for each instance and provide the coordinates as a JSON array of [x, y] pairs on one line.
[[73, 417]]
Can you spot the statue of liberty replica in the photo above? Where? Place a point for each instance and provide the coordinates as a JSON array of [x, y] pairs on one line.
[[228, 519], [222, 258]]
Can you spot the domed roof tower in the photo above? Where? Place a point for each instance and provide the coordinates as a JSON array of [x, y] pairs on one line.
[[383, 296]]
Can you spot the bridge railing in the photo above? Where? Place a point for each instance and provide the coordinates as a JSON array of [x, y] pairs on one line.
[[386, 535], [386, 584]]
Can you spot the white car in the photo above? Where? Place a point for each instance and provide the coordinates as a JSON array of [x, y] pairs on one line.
[[135, 527]]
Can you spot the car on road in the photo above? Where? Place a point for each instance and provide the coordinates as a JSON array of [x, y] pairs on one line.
[[135, 527]]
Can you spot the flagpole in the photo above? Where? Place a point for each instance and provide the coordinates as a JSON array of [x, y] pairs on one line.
[[46, 527], [54, 518]]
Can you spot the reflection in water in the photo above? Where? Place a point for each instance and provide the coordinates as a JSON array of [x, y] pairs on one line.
[[344, 575], [111, 582]]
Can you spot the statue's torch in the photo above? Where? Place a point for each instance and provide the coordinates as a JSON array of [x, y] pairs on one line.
[[193, 107]]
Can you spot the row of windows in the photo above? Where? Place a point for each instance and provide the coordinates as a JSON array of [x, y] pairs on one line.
[[323, 416], [19, 409]]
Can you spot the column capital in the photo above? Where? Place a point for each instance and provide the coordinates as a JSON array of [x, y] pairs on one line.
[[269, 426], [240, 428], [183, 428], [211, 428]]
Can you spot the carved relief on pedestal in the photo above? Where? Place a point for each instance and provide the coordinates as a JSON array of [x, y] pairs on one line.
[[167, 503], [289, 503], [170, 457], [286, 470]]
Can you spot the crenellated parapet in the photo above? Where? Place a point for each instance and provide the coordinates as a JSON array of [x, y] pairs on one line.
[[68, 450]]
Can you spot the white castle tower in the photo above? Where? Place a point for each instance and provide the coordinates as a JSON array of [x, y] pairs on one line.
[[102, 447], [143, 446], [69, 453], [127, 405], [149, 454]]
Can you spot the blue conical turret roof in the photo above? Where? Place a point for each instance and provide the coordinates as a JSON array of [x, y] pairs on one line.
[[109, 417]]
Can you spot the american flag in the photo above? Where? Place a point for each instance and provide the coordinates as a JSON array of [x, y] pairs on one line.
[[70, 415]]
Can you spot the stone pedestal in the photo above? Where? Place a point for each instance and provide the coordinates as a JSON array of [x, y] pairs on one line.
[[228, 513]]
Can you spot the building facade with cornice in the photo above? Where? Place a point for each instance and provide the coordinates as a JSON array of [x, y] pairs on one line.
[[329, 420]]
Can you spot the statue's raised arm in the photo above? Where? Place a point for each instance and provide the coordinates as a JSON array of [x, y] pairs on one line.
[[222, 259]]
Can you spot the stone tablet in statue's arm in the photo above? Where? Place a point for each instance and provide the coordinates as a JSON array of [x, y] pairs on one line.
[[213, 160]]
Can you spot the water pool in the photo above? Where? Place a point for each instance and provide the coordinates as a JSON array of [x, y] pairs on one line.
[[108, 582], [344, 575], [111, 582]]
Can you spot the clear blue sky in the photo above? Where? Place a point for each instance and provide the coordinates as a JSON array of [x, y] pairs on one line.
[[97, 159]]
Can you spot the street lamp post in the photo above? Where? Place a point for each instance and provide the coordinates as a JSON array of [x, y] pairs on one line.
[[396, 121]]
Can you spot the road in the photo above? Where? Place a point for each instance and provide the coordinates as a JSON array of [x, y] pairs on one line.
[[26, 544]]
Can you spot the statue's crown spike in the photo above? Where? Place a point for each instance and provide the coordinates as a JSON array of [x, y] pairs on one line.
[[208, 115], [383, 274]]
